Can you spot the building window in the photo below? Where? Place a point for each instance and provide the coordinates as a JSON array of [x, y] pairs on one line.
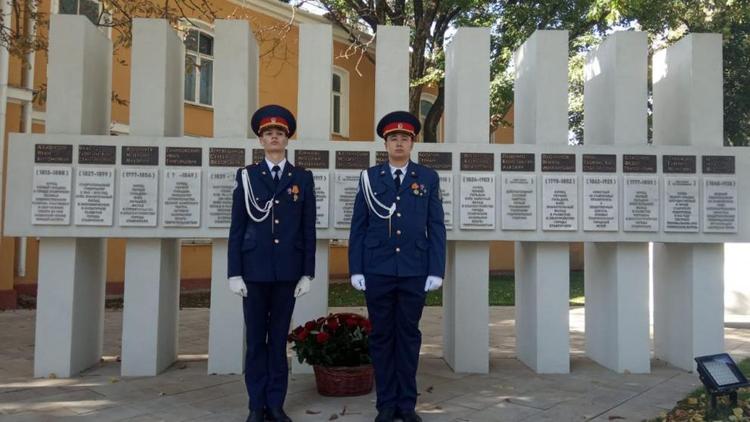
[[425, 104], [92, 9], [340, 102], [199, 67]]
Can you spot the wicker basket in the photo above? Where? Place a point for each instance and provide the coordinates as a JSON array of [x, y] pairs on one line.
[[343, 381]]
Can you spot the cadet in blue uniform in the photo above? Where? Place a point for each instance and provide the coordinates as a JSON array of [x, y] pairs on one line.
[[396, 255], [271, 257]]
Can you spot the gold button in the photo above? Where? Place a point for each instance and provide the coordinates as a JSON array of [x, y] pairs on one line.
[[276, 221], [398, 232], [276, 201], [398, 214], [276, 241], [398, 249]]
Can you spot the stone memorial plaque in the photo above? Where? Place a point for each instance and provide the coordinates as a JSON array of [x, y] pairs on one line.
[[517, 162], [680, 204], [599, 163], [182, 198], [477, 161], [600, 203], [436, 160], [720, 204], [322, 180], [50, 195], [478, 199], [559, 163], [678, 164], [519, 201], [346, 185], [184, 156], [220, 190], [258, 155], [641, 208], [139, 156], [311, 159], [639, 163], [560, 203], [53, 154], [95, 196], [446, 190], [226, 157], [381, 157], [352, 160], [138, 197], [718, 164], [97, 154]]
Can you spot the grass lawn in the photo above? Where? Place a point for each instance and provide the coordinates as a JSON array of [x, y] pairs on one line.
[[502, 292], [697, 405]]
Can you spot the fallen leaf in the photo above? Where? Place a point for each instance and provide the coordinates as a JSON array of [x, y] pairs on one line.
[[429, 389], [333, 417], [113, 380], [614, 417], [692, 400], [737, 412], [312, 412]]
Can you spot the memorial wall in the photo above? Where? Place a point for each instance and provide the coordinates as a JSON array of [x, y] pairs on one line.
[[83, 186]]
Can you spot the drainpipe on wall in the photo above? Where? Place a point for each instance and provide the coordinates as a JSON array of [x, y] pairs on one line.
[[26, 114], [5, 12]]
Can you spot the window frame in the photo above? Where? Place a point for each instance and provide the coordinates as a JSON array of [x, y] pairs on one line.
[[55, 10], [208, 30], [343, 94]]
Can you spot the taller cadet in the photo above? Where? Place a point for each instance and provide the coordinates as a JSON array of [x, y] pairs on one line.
[[271, 257], [396, 255]]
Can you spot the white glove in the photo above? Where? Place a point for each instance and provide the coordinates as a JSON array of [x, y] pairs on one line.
[[303, 286], [358, 282], [237, 286], [432, 283]]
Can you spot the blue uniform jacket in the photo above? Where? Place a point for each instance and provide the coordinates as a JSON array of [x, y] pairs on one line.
[[282, 247], [415, 244]]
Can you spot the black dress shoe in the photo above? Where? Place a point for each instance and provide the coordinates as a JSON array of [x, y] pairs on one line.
[[255, 416], [386, 414], [277, 415], [410, 416]]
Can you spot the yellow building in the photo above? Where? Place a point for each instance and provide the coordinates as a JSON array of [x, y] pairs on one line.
[[275, 24]]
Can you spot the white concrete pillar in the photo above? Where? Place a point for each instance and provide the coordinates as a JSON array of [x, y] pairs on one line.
[[688, 278], [466, 287], [152, 276], [314, 124], [391, 79], [236, 93], [542, 269], [71, 281], [616, 274], [736, 287]]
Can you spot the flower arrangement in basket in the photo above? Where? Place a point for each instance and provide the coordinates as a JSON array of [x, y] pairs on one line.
[[336, 347]]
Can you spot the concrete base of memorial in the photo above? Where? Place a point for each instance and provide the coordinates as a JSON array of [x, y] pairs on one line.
[[688, 302], [542, 295], [151, 303], [617, 314], [70, 303], [226, 336]]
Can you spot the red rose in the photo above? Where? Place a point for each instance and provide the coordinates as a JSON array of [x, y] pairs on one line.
[[333, 324], [303, 335], [309, 325], [322, 337], [351, 322]]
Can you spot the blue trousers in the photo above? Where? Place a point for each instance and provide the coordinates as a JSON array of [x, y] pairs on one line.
[[268, 311], [394, 305]]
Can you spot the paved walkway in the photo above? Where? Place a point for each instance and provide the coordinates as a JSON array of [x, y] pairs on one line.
[[510, 392]]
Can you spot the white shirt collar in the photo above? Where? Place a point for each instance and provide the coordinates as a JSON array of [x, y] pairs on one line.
[[270, 165], [403, 169]]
